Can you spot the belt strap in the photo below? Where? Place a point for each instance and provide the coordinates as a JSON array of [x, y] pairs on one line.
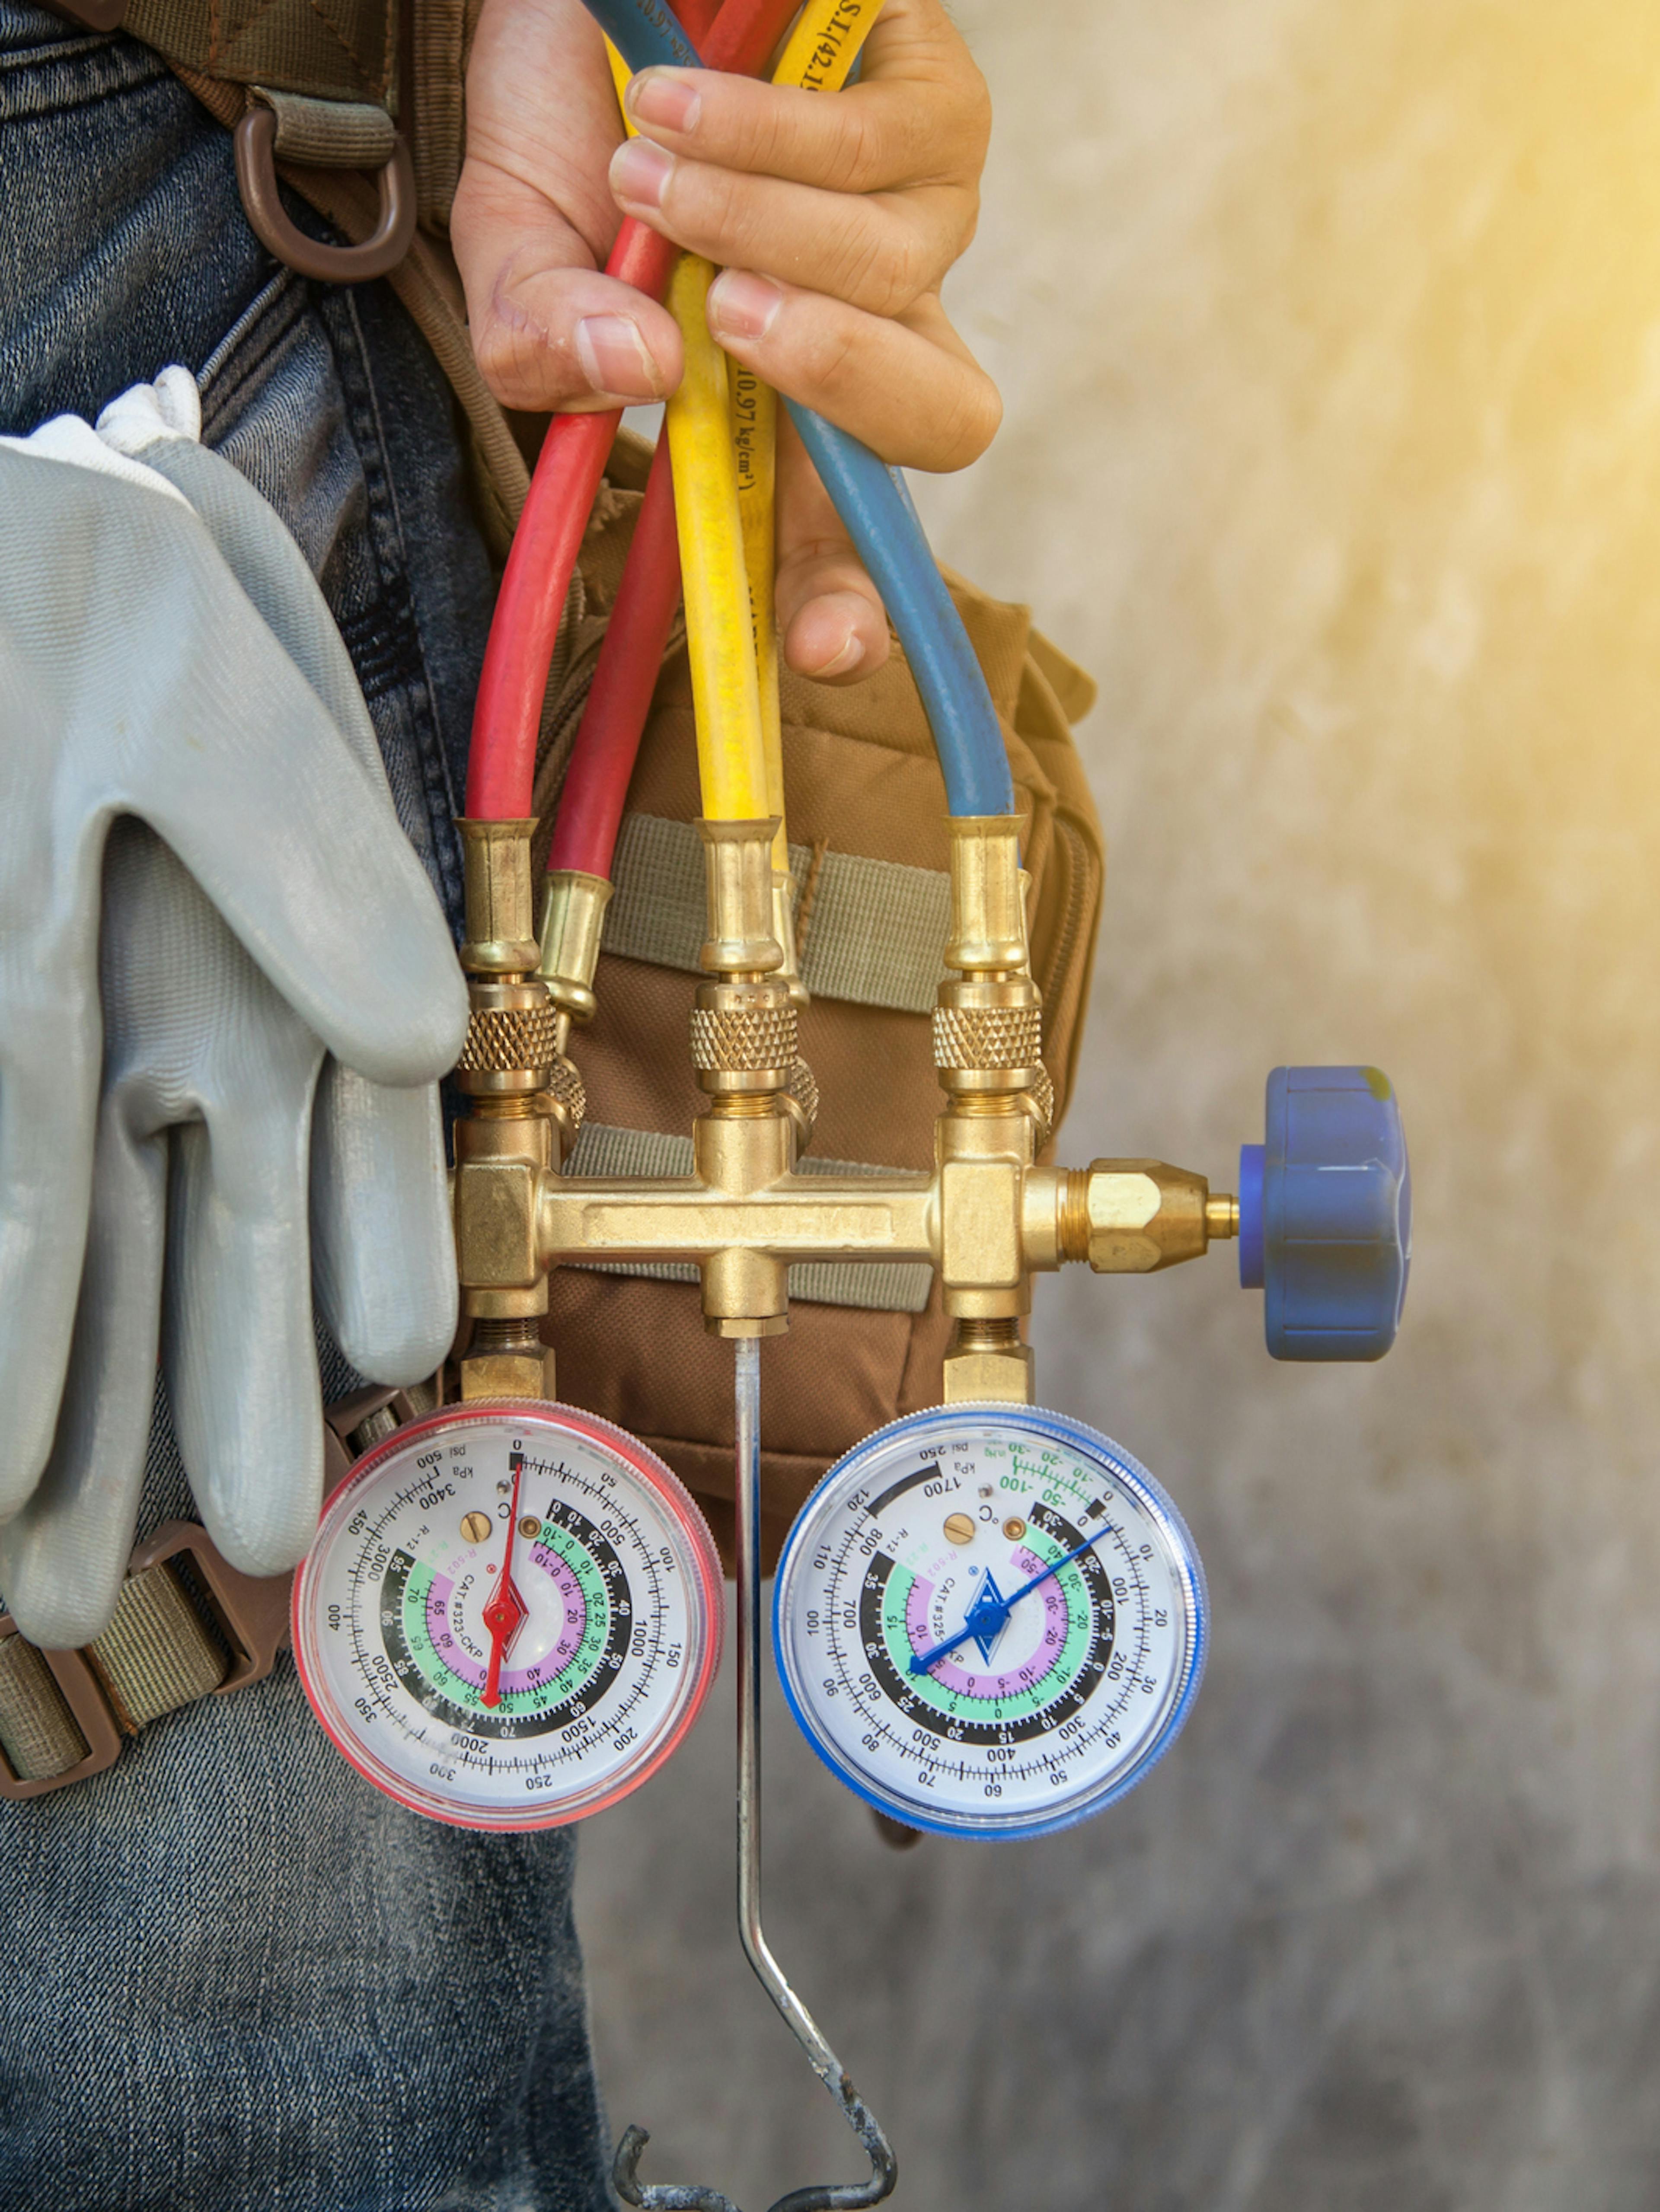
[[344, 50], [188, 1625]]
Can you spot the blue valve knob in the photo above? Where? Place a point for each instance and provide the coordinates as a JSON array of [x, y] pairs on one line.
[[1325, 1214]]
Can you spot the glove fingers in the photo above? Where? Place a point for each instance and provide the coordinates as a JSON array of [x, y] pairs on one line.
[[237, 1339], [227, 751], [48, 1100], [62, 1558], [383, 1247]]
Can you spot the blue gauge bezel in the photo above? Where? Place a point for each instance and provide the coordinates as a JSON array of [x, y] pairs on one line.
[[1150, 1494]]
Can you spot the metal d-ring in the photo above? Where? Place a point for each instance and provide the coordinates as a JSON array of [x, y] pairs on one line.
[[255, 145], [832, 2197]]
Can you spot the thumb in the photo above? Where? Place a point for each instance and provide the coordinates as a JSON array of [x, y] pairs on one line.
[[832, 623], [550, 331]]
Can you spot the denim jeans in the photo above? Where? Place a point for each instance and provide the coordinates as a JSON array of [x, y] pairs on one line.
[[235, 1976]]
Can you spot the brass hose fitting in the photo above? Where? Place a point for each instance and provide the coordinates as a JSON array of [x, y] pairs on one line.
[[573, 918], [1134, 1217], [783, 928], [987, 1053], [501, 938], [742, 1025], [987, 1024]]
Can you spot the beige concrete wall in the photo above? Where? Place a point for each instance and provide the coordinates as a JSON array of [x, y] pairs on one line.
[[1330, 340]]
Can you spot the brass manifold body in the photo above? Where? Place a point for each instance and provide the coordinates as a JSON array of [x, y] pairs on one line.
[[987, 1217]]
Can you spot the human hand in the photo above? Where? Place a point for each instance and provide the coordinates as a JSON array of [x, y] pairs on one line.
[[165, 655], [873, 193]]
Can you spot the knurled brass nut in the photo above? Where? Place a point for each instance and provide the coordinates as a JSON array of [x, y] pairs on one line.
[[569, 1095], [744, 1038], [503, 1039], [988, 1037]]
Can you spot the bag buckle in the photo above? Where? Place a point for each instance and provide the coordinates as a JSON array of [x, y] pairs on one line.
[[255, 147]]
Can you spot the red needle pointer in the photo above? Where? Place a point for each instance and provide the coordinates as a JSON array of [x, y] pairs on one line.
[[504, 1616]]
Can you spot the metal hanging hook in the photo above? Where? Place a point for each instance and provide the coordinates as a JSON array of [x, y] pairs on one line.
[[829, 2196], [659, 2195], [844, 2196]]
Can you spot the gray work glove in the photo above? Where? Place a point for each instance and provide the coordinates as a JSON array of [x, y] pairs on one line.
[[279, 994]]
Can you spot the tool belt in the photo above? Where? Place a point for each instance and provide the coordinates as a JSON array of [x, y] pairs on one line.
[[869, 864]]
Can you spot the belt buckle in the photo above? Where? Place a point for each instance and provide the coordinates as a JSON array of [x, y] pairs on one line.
[[251, 1615], [251, 1612], [82, 1693]]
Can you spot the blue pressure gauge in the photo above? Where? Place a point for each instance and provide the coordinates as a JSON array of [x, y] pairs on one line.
[[989, 1620], [1325, 1214]]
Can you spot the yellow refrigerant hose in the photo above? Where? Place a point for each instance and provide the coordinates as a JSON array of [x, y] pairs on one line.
[[723, 506]]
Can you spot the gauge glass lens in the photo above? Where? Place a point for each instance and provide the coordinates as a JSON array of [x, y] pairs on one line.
[[1039, 1711], [609, 1639]]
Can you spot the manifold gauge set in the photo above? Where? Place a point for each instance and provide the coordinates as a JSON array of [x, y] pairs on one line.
[[989, 1620]]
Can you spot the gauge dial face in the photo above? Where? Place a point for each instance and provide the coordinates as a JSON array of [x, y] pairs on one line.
[[1039, 1711], [522, 1707]]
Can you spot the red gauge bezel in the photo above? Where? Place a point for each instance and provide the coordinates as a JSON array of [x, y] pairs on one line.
[[675, 1497]]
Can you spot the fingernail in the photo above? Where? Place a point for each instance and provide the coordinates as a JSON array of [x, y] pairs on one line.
[[742, 305], [615, 358], [841, 663], [665, 98], [639, 172]]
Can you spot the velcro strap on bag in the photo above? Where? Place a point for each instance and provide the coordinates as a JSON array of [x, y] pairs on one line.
[[869, 932]]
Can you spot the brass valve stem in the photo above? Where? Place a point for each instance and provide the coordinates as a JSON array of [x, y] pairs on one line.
[[986, 1360], [526, 1108], [745, 1054], [987, 1052]]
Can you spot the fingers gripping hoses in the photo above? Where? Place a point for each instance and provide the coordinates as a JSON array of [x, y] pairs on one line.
[[880, 520], [507, 716], [821, 54]]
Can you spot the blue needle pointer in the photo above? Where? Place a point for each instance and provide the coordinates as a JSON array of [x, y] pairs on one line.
[[988, 1615]]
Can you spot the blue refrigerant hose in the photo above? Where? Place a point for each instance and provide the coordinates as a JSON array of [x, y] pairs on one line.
[[878, 517]]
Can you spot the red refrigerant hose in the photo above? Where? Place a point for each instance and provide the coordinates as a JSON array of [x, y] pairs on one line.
[[506, 718], [602, 760]]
